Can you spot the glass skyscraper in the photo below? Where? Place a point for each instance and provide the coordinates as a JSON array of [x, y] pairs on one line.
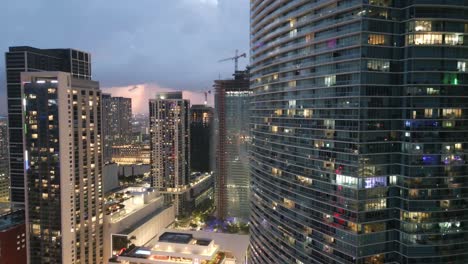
[[232, 177], [29, 59], [201, 135], [359, 131]]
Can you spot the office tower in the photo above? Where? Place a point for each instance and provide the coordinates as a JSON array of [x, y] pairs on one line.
[[170, 146], [359, 143], [25, 59], [4, 171], [63, 168], [232, 179], [201, 135]]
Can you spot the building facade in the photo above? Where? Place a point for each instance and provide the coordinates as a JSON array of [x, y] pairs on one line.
[[25, 59], [170, 146], [117, 117], [13, 238], [359, 119], [201, 136], [232, 176], [63, 168], [4, 161]]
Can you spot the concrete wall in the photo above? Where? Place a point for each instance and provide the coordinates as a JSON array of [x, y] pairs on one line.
[[110, 177], [134, 170]]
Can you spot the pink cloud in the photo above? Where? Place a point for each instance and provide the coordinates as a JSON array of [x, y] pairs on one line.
[[141, 93]]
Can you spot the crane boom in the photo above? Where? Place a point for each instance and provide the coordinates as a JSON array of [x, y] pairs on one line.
[[235, 59]]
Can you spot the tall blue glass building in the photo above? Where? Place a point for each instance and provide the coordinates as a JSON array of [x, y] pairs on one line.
[[359, 131]]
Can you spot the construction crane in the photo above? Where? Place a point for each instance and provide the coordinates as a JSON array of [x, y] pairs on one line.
[[205, 92], [235, 59]]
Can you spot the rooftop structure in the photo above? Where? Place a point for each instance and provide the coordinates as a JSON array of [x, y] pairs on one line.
[[134, 215], [200, 247], [178, 247]]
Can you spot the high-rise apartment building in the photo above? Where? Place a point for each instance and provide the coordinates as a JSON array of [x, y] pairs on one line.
[[26, 59], [232, 176], [170, 146], [63, 168], [106, 127], [359, 119], [117, 120], [201, 135], [4, 168]]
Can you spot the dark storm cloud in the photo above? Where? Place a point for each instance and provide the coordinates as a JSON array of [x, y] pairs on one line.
[[172, 43]]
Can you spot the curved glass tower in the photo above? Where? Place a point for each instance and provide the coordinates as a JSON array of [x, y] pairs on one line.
[[359, 131]]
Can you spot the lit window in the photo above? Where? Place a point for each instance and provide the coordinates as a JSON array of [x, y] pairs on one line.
[[461, 66], [448, 124], [454, 39], [308, 113], [376, 204], [51, 117], [304, 180], [375, 39], [274, 129], [346, 180], [330, 80], [455, 112], [293, 33], [292, 103], [458, 146], [292, 22], [276, 172], [432, 91], [424, 39], [428, 113], [288, 203], [375, 182], [421, 26], [292, 84], [378, 65]]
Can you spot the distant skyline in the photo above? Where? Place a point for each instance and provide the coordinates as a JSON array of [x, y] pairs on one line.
[[158, 45]]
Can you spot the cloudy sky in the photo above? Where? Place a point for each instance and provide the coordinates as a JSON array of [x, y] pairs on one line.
[[152, 44]]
